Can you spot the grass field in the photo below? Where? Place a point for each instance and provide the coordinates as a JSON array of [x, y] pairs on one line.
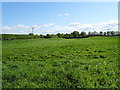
[[60, 63]]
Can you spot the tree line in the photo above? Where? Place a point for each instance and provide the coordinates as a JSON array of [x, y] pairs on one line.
[[83, 34], [108, 33], [74, 34]]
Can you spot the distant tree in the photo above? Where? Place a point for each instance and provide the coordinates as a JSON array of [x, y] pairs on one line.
[[31, 34], [108, 33], [59, 35], [75, 34], [105, 33], [89, 33], [67, 35], [53, 35], [83, 34], [41, 36], [101, 33], [113, 33], [118, 34], [47, 36], [95, 33]]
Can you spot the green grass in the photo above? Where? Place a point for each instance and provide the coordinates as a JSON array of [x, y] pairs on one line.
[[60, 63]]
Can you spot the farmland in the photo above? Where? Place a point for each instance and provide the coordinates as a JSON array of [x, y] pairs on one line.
[[60, 63]]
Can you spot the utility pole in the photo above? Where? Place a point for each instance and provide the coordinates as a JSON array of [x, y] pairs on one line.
[[33, 29]]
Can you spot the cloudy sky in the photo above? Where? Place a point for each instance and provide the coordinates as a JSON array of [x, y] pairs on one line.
[[58, 17]]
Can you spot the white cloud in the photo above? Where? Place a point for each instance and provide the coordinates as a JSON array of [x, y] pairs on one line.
[[66, 14], [6, 28], [73, 24], [111, 25], [59, 15], [20, 27], [63, 29], [23, 28], [51, 28], [45, 25]]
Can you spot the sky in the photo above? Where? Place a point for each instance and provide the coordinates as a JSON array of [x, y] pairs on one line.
[[58, 17]]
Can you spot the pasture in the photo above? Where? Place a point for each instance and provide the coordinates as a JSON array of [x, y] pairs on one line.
[[60, 63]]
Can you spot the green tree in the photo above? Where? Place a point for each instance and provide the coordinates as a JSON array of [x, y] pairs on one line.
[[67, 35], [53, 35], [89, 33], [31, 34], [83, 34], [101, 33], [105, 33], [41, 36], [59, 35], [75, 34], [113, 33], [108, 33], [47, 35]]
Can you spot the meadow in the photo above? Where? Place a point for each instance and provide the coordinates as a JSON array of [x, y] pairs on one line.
[[60, 63]]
